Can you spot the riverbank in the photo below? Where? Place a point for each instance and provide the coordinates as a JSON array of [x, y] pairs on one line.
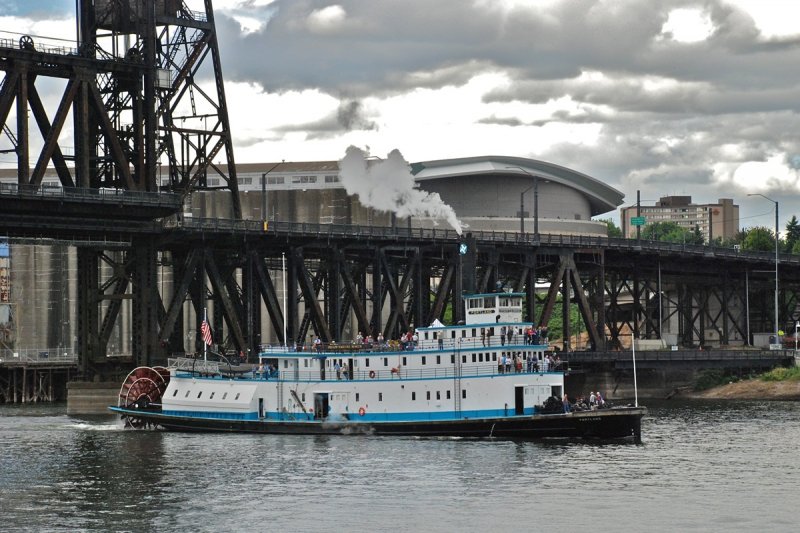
[[750, 389]]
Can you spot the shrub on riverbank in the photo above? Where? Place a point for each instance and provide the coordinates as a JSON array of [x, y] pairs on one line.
[[782, 374]]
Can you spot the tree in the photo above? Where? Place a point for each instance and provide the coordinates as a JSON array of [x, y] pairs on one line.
[[758, 239], [613, 230], [792, 234], [671, 232]]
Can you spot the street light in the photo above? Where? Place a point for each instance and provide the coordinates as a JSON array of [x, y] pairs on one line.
[[776, 258], [264, 190], [535, 188]]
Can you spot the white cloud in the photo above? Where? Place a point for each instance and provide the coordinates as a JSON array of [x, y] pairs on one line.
[[327, 19], [687, 25]]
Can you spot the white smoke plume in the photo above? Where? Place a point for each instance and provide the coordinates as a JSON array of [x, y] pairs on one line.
[[388, 185]]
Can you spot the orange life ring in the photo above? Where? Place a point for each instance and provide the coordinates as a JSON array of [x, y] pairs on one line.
[[362, 411], [372, 374]]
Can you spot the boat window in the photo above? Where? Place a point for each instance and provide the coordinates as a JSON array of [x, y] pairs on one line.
[[438, 395], [385, 361], [305, 363], [366, 361], [463, 333], [494, 356], [473, 332], [452, 359], [303, 397], [453, 334], [448, 394], [426, 335], [285, 363], [225, 395], [463, 393], [237, 396], [428, 395], [480, 357], [435, 335], [413, 396], [356, 396], [474, 357], [438, 359], [175, 393], [199, 394], [423, 359], [212, 396], [464, 358], [380, 396], [488, 302], [404, 361], [187, 394]]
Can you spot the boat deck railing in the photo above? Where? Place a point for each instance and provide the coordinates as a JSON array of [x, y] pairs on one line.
[[194, 365], [332, 349], [367, 374]]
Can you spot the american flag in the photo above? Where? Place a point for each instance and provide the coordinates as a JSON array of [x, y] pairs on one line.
[[205, 330]]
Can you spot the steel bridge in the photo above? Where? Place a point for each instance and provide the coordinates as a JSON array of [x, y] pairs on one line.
[[342, 279], [132, 87]]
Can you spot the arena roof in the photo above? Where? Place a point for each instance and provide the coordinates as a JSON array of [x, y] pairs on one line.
[[602, 198]]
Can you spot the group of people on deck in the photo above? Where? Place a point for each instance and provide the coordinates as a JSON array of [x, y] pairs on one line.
[[509, 334], [594, 401], [506, 363]]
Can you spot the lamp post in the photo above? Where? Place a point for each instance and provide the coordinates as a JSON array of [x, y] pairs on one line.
[[776, 258], [535, 188], [264, 191]]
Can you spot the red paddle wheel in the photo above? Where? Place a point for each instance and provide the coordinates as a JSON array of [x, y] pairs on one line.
[[144, 386]]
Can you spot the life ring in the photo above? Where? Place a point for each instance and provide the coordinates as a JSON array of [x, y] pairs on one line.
[[372, 374], [361, 411]]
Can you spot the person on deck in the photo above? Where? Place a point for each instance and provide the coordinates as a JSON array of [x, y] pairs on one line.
[[565, 403]]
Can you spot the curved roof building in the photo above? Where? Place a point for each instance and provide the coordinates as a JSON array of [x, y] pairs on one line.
[[489, 192]]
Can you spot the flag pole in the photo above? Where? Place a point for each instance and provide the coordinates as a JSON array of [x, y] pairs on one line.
[[283, 278], [205, 344]]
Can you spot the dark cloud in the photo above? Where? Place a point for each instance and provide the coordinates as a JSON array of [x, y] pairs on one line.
[[349, 116]]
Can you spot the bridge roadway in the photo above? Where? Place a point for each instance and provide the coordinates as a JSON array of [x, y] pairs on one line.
[[349, 278]]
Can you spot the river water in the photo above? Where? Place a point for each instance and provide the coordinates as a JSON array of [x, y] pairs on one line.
[[702, 466]]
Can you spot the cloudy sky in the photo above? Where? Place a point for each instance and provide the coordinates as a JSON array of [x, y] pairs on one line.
[[671, 97]]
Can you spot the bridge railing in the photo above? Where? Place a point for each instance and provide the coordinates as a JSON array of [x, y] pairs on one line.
[[680, 355], [38, 356], [92, 195], [313, 229]]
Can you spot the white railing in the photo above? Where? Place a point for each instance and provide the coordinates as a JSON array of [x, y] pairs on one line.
[[38, 356], [194, 365]]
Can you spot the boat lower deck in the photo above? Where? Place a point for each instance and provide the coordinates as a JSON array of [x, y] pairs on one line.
[[607, 424]]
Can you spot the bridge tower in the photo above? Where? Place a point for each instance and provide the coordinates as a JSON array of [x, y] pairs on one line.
[[143, 87]]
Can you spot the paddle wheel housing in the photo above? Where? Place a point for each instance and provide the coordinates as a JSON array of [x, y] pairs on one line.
[[142, 388]]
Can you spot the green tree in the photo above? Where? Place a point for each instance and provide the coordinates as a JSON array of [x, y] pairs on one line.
[[792, 234], [671, 232], [758, 239], [613, 230]]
